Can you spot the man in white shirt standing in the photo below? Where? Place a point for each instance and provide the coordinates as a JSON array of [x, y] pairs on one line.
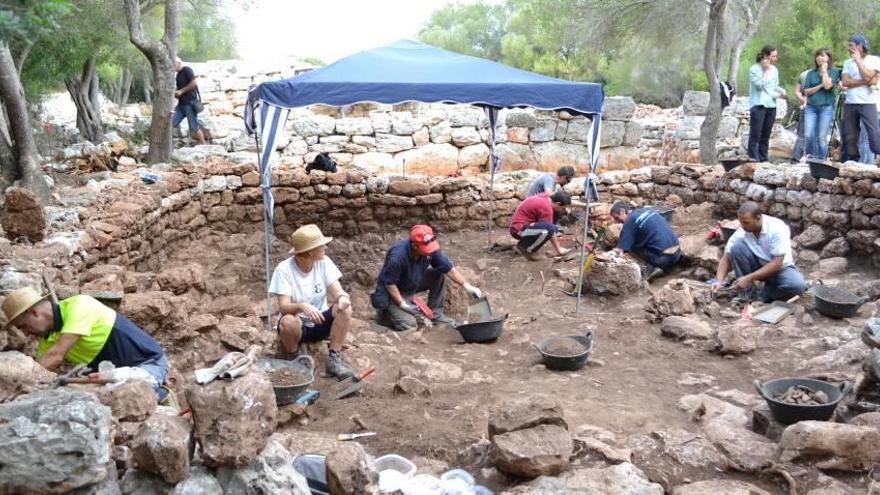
[[760, 250], [311, 300], [859, 78]]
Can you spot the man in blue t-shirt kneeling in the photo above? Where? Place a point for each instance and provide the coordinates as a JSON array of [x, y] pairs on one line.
[[415, 265], [647, 234]]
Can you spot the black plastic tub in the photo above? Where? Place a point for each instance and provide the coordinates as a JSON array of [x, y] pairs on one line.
[[836, 302], [482, 332], [823, 170], [787, 413], [664, 211], [732, 163], [566, 363]]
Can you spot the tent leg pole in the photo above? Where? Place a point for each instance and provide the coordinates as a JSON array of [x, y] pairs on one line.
[[266, 237], [580, 284]]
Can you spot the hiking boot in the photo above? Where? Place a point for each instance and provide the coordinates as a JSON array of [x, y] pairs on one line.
[[442, 319], [336, 366], [527, 255]]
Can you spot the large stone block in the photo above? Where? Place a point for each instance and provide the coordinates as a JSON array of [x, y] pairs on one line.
[[233, 419], [355, 126], [534, 411], [272, 473], [314, 125], [133, 400], [20, 374], [612, 133], [541, 450], [53, 441], [24, 215], [695, 102], [553, 154], [618, 108], [465, 136], [430, 159], [164, 446], [349, 471], [614, 278]]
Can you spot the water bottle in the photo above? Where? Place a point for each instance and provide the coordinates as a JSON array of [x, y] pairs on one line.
[[149, 177]]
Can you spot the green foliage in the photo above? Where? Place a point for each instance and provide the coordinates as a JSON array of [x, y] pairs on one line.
[[97, 28], [206, 34], [650, 49], [23, 19]]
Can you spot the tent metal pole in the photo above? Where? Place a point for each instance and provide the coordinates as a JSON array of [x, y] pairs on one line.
[[266, 235], [587, 187], [492, 113]]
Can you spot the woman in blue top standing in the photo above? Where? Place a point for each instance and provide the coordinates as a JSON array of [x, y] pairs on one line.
[[819, 88], [763, 91]]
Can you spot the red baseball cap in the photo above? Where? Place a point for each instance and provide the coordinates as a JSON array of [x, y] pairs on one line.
[[423, 237]]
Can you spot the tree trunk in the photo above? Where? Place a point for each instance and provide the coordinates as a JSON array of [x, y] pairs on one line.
[[27, 161], [752, 14], [84, 93], [161, 55], [7, 155], [124, 88], [711, 62], [147, 79]]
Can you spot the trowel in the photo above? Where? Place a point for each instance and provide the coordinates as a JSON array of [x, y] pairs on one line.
[[353, 384]]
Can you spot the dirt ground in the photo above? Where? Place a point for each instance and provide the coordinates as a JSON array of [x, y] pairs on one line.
[[631, 386]]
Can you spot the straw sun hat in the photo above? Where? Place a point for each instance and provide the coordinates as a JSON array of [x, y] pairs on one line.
[[18, 302], [306, 238]]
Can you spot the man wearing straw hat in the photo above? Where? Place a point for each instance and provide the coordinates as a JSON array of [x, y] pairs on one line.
[[82, 330], [311, 300]]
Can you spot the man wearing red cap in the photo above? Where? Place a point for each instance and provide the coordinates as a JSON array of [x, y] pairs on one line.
[[415, 265]]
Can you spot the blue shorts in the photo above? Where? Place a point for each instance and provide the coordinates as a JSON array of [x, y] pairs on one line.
[[315, 332], [188, 111]]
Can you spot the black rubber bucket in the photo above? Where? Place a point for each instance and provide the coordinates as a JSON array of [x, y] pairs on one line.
[[787, 413], [566, 363], [482, 332], [822, 170], [732, 163], [836, 302]]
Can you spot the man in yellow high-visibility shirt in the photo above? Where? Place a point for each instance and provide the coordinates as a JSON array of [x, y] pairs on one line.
[[84, 331]]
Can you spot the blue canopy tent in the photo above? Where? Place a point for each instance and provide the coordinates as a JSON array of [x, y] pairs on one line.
[[410, 71]]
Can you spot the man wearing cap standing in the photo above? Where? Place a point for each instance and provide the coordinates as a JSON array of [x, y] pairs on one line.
[[859, 79], [82, 330], [313, 305], [415, 265]]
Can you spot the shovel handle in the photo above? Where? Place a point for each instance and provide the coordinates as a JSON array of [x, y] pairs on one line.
[[369, 371]]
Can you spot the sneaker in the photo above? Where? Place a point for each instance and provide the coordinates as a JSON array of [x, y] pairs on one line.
[[440, 318], [289, 356], [650, 272], [654, 273], [337, 367]]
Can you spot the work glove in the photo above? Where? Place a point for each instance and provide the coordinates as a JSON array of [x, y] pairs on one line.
[[407, 307], [472, 291]]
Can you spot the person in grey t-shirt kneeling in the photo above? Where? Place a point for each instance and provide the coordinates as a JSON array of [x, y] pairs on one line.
[[760, 250], [547, 182]]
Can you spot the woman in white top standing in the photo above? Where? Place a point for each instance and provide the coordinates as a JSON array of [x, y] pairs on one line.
[[763, 92], [313, 305]]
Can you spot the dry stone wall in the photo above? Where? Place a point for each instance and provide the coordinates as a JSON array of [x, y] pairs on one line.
[[134, 225], [836, 217]]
